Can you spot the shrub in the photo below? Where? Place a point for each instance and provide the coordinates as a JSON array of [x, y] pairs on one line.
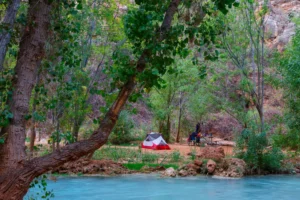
[[149, 158], [253, 149], [193, 154], [123, 129], [289, 66], [289, 140], [272, 159], [115, 154], [175, 156], [138, 166]]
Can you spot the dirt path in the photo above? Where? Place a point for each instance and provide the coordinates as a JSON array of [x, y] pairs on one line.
[[184, 149]]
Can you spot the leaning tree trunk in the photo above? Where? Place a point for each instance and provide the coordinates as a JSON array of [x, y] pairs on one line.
[[31, 51], [8, 21], [15, 183]]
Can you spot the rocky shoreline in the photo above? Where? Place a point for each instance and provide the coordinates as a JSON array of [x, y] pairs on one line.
[[209, 161]]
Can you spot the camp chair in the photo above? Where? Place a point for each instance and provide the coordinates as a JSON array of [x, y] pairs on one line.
[[191, 140]]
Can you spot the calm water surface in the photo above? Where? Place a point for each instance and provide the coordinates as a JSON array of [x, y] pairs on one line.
[[148, 187]]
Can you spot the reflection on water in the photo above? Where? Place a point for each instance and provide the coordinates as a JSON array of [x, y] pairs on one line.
[[148, 187]]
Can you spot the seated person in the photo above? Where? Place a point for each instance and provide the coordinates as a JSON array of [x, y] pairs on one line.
[[193, 136], [198, 137]]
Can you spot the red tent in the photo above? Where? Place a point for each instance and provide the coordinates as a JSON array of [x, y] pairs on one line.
[[155, 141]]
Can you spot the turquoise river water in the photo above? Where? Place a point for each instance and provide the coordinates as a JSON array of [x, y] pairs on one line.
[[148, 187]]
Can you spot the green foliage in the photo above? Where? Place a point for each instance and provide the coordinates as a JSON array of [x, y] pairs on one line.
[[41, 184], [2, 140], [193, 154], [139, 166], [133, 155], [254, 149], [149, 158], [116, 154], [5, 116], [5, 96], [122, 133], [290, 69], [289, 140], [175, 156], [67, 137]]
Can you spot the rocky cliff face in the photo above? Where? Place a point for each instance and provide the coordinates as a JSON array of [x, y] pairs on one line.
[[279, 25]]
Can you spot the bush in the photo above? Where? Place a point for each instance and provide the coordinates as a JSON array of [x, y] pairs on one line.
[[175, 156], [138, 166], [122, 133], [253, 149], [272, 160], [289, 66], [289, 140], [193, 154], [149, 158], [116, 154]]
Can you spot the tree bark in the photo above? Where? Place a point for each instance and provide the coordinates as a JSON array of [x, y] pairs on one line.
[[9, 20], [32, 138], [15, 183], [179, 118], [33, 130], [31, 52], [76, 127]]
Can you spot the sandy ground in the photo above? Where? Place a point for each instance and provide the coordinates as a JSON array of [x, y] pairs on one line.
[[184, 149]]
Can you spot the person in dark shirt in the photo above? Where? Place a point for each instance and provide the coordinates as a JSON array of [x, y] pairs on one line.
[[198, 128]]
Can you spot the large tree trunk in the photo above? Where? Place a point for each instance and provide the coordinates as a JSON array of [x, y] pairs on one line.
[[15, 183], [32, 46], [8, 21]]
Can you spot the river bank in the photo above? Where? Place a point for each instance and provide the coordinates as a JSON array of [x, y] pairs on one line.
[[210, 161]]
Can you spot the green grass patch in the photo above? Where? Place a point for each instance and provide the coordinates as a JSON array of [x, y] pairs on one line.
[[115, 154], [138, 166], [138, 158]]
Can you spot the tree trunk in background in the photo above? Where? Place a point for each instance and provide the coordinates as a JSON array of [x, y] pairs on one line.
[[75, 131], [262, 119], [15, 183], [31, 52], [33, 130], [57, 136], [8, 21], [179, 118], [168, 128], [76, 127], [32, 138]]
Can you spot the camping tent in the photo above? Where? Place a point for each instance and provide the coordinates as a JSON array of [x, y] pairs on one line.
[[155, 141]]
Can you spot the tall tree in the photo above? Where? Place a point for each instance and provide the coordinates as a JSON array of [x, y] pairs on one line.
[[15, 182], [244, 45], [32, 49], [153, 46], [7, 26]]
